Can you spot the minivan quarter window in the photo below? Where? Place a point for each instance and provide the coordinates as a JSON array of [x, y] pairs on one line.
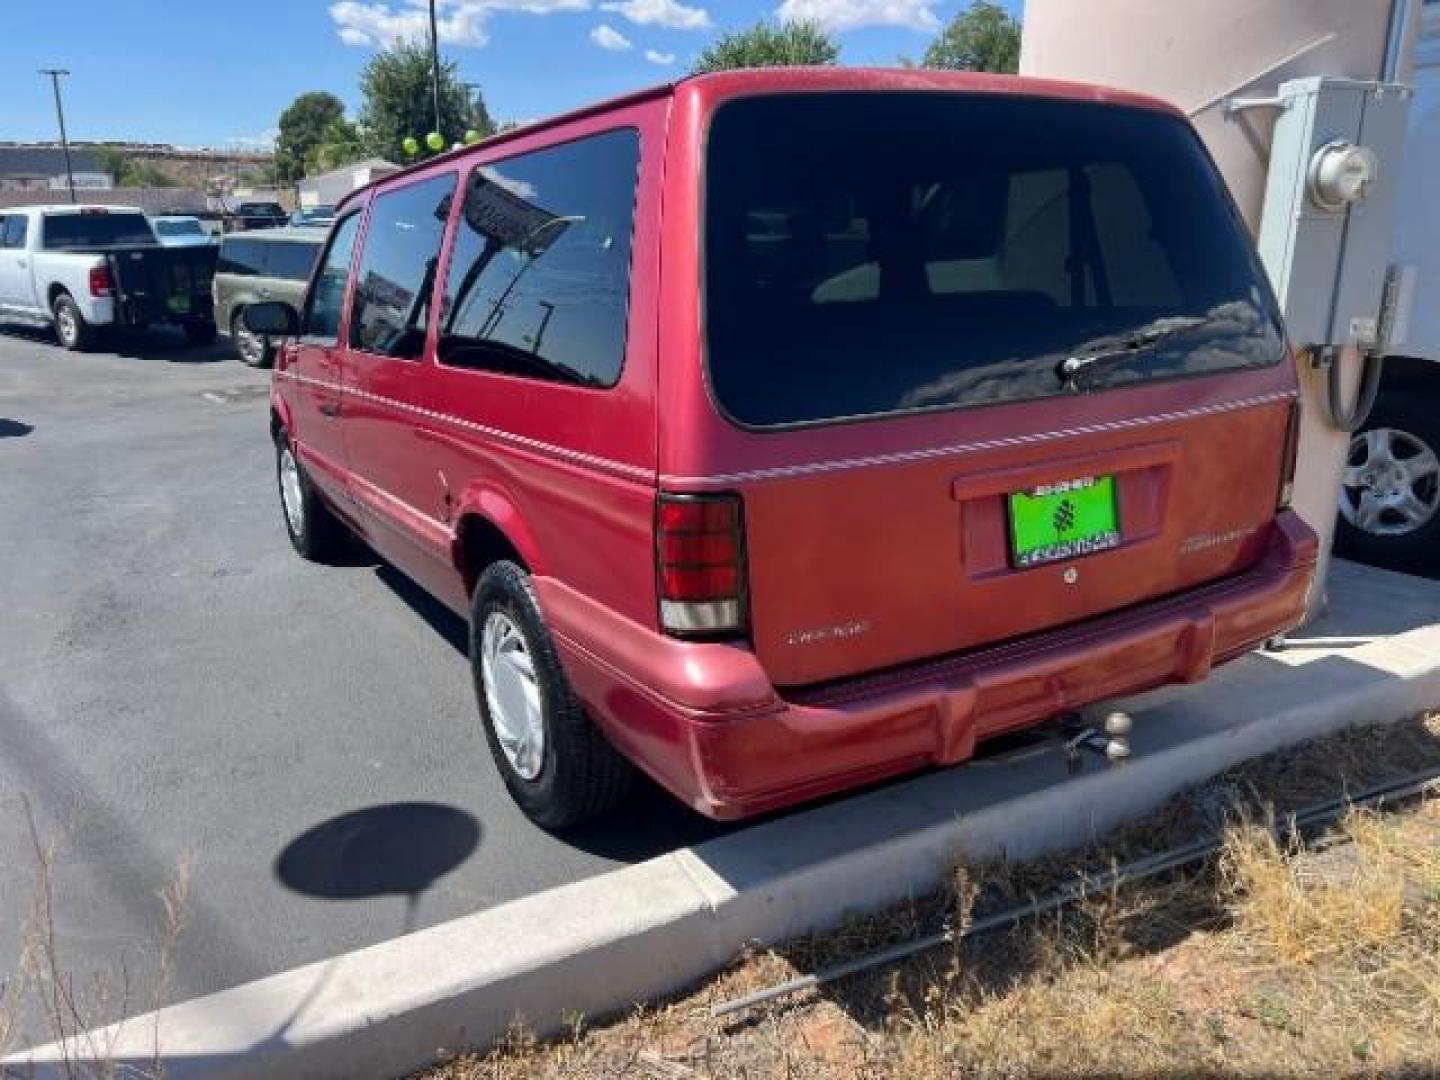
[[398, 263], [539, 281], [326, 301]]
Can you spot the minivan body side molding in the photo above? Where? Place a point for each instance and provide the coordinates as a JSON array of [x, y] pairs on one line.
[[618, 468], [785, 472]]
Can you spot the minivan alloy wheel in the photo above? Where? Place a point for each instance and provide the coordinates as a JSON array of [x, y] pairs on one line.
[[291, 494], [1391, 483], [512, 694]]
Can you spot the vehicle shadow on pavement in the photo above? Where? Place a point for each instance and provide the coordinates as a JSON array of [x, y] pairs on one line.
[[154, 344], [164, 344], [440, 618]]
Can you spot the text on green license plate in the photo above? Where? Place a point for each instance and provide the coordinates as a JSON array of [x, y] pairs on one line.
[[1063, 520]]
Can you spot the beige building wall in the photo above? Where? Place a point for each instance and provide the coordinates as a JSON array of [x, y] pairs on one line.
[[1195, 55]]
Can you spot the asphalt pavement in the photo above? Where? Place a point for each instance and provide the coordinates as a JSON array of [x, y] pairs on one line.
[[188, 710]]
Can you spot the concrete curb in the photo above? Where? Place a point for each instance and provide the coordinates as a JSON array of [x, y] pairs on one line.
[[596, 947]]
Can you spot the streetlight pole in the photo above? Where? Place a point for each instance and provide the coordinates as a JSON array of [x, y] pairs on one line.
[[435, 65], [55, 74]]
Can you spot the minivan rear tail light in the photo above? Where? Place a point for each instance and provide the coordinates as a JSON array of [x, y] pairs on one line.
[[1287, 461], [100, 283], [700, 564]]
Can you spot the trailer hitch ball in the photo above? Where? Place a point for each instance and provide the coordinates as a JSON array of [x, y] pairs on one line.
[[1118, 726]]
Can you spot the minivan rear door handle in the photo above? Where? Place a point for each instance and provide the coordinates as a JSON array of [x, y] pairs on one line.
[[330, 409]]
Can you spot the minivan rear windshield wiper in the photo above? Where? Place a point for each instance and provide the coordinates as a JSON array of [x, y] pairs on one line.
[[1069, 369]]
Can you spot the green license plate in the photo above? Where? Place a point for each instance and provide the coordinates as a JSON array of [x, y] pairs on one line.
[[1063, 520], [180, 304]]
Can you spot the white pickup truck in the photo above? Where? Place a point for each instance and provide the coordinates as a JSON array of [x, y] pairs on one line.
[[85, 269]]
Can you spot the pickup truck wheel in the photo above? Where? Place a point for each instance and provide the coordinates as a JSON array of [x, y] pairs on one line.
[[71, 328], [254, 349], [556, 763], [315, 532], [199, 332], [1390, 490]]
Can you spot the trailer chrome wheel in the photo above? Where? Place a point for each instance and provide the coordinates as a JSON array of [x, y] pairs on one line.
[[1391, 483]]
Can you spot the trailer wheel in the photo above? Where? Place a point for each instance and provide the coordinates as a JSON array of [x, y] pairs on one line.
[[1390, 493], [71, 328]]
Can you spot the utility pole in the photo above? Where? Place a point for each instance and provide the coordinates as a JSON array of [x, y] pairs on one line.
[[55, 74], [435, 65]]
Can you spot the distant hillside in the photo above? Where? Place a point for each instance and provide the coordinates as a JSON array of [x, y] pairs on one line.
[[192, 167]]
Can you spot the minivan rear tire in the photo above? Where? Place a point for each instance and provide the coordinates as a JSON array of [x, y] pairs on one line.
[[580, 775], [314, 530]]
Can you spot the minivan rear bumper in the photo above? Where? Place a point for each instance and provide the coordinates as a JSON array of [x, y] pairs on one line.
[[706, 723]]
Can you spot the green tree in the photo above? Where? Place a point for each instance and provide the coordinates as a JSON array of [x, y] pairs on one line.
[[340, 145], [303, 128], [399, 102], [984, 37], [764, 45]]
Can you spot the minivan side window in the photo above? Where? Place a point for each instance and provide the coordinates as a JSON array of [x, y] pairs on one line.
[[244, 258], [327, 293], [396, 277], [539, 282], [16, 226], [289, 259]]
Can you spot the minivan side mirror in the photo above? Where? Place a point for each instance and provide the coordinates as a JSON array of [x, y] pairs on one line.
[[271, 318]]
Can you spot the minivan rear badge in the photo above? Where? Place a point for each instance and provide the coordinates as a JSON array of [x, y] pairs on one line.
[[828, 633]]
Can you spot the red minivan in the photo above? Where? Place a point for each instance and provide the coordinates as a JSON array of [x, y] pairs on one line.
[[779, 431]]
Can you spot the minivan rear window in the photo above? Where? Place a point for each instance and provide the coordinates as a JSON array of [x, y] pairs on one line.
[[878, 253]]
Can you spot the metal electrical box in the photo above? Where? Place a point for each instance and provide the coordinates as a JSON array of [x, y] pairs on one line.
[[1328, 258]]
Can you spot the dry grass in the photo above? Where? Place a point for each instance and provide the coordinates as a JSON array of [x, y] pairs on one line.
[[1316, 959], [42, 981]]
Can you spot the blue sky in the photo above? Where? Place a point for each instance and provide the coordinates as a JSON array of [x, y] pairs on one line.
[[206, 73]]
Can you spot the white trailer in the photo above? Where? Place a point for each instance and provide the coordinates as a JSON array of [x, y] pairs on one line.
[[1270, 86]]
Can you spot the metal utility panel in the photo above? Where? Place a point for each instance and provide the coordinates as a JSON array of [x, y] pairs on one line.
[[1328, 266]]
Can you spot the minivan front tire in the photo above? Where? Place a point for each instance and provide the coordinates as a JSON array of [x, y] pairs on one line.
[[557, 765], [314, 530]]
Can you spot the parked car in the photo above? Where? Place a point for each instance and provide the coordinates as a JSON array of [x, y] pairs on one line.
[[181, 231], [894, 451], [257, 215], [85, 269], [270, 265], [315, 216]]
